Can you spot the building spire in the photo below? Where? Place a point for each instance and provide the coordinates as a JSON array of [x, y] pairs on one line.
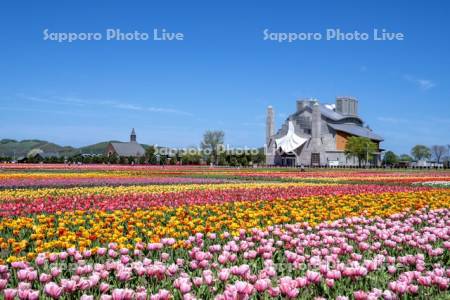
[[133, 136], [270, 126], [270, 131]]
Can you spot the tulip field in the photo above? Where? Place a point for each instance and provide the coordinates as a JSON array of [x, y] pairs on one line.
[[192, 232]]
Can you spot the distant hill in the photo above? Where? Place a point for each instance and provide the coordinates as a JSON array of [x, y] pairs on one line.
[[10, 147], [98, 148]]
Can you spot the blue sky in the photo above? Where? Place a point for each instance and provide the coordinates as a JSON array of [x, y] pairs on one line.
[[223, 74]]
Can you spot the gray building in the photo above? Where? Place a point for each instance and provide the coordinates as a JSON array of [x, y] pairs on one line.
[[131, 149], [316, 134]]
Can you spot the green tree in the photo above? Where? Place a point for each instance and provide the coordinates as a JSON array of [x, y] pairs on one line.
[[223, 159], [390, 158], [131, 160], [212, 144], [87, 159], [360, 147], [233, 161], [405, 157], [244, 161], [191, 158], [150, 154], [113, 159], [420, 152], [259, 158]]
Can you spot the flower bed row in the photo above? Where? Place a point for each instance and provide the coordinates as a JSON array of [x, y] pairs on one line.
[[404, 255], [133, 201], [18, 195], [23, 237], [9, 183]]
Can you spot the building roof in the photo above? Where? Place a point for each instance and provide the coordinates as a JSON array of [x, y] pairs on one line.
[[354, 129], [128, 149], [327, 111], [290, 141]]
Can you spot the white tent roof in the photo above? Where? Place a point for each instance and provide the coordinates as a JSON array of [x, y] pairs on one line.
[[290, 141]]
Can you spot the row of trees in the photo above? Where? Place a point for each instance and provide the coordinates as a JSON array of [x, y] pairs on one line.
[[439, 153], [364, 150], [211, 151]]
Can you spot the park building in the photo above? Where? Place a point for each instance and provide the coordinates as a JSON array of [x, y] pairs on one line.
[[130, 149], [316, 134]]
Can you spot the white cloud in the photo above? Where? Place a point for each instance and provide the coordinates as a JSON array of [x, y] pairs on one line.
[[423, 84], [391, 120], [127, 106], [109, 103]]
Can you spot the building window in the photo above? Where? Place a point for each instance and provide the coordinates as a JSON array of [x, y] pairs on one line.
[[315, 159]]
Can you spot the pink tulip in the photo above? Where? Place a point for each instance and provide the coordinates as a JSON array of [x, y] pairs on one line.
[[23, 294], [55, 272], [293, 293], [33, 295], [274, 291], [22, 274], [224, 274], [124, 275], [185, 287], [40, 260], [104, 287], [63, 255], [68, 286], [52, 257], [53, 290], [24, 286], [392, 269], [313, 277], [244, 288], [44, 278], [101, 251], [360, 295], [165, 256], [302, 282], [262, 284], [3, 283], [413, 289], [141, 295], [10, 294], [329, 282], [424, 280], [122, 294]]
